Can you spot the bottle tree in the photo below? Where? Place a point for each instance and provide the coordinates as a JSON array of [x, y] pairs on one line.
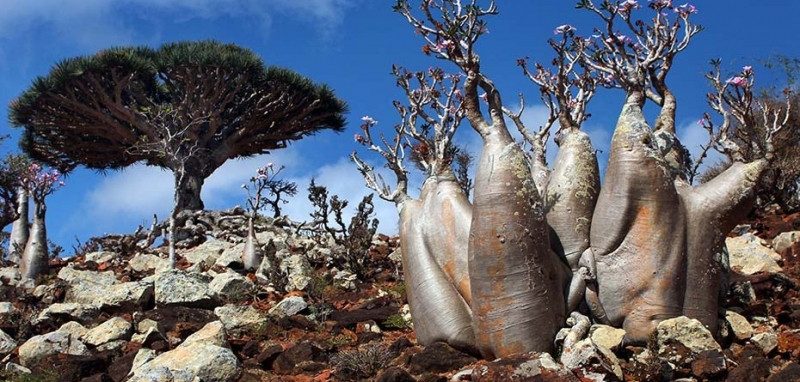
[[543, 242]]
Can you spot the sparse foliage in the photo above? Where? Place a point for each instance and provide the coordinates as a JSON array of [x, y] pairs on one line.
[[328, 222], [361, 363]]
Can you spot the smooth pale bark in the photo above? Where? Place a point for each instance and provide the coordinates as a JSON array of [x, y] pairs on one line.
[[517, 281], [252, 256], [445, 228], [35, 258], [637, 234], [438, 311], [20, 229], [572, 192], [713, 209]]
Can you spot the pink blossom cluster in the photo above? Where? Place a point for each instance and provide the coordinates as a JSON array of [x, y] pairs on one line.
[[685, 10], [628, 5], [743, 79], [40, 182], [563, 29]]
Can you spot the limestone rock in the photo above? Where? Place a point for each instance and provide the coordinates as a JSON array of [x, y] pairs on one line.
[[176, 287], [231, 257], [523, 367], [145, 262], [766, 341], [41, 346], [298, 272], [6, 307], [73, 328], [76, 277], [606, 336], [739, 325], [200, 357], [231, 285], [686, 332], [590, 361], [9, 275], [7, 343], [68, 311], [238, 316], [785, 241], [748, 256], [206, 254], [116, 328], [101, 256], [289, 306]]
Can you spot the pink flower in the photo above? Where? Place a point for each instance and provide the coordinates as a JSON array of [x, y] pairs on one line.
[[627, 5], [738, 81], [359, 138], [563, 29], [747, 69], [701, 122], [368, 120], [444, 45]]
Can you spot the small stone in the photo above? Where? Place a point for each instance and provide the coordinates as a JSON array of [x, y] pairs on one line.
[[7, 343], [289, 306], [116, 328], [739, 325], [101, 256], [239, 316], [606, 336], [766, 341], [748, 256], [687, 331]]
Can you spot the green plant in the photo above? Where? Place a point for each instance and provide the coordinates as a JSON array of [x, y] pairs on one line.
[[397, 321]]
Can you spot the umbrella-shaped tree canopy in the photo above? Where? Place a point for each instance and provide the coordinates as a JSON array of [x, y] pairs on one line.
[[186, 106]]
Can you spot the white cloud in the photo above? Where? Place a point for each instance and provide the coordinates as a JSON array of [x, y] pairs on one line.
[[340, 178], [693, 136], [99, 23]]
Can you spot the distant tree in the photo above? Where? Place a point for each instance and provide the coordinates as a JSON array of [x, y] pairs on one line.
[[37, 183], [186, 106]]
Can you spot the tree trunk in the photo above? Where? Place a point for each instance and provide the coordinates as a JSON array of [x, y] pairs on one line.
[[20, 229], [252, 256], [35, 258], [517, 281], [713, 210], [438, 311], [448, 215], [188, 185], [571, 197], [638, 233]]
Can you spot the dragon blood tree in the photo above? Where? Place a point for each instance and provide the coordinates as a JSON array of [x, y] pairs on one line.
[[543, 242], [434, 227], [186, 106]]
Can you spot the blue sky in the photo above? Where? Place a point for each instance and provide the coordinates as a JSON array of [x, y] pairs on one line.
[[350, 45]]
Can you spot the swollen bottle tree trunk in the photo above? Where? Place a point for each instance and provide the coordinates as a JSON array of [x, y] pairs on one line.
[[713, 209], [252, 256], [21, 227], [517, 281], [438, 310], [637, 235], [35, 258], [572, 191]]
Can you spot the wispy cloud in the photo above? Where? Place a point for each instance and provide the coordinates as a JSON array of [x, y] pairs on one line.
[[99, 23]]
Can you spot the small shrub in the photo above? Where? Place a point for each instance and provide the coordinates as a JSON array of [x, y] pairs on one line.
[[361, 363]]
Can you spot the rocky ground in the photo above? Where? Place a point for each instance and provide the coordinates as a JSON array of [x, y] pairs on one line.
[[315, 312]]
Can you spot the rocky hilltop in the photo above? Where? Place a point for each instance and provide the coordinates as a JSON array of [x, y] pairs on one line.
[[313, 312]]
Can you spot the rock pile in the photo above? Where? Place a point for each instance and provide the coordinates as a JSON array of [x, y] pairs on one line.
[[117, 313]]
